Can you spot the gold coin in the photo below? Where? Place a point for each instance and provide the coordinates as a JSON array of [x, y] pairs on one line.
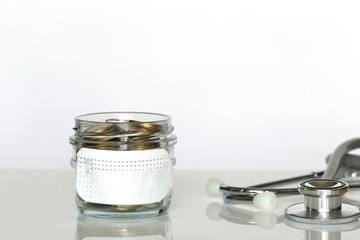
[[123, 208], [136, 134]]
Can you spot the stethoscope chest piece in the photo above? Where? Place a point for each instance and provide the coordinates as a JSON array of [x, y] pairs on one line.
[[323, 203]]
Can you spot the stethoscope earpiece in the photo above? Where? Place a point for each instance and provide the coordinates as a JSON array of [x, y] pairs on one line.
[[265, 201], [213, 186]]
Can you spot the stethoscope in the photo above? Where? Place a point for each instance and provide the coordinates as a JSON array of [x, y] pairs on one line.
[[322, 190]]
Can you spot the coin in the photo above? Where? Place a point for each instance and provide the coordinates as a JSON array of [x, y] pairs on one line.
[[133, 135]]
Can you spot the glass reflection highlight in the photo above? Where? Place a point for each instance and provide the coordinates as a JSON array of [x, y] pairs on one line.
[[156, 228]]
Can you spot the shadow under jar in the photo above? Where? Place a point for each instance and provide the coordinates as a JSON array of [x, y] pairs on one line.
[[123, 163]]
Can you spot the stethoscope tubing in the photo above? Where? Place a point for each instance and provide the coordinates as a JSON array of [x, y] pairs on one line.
[[263, 187], [233, 195], [340, 157]]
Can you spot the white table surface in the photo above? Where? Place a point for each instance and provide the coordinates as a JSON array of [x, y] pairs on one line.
[[39, 204]]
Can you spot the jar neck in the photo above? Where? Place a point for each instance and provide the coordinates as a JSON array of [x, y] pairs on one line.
[[123, 131]]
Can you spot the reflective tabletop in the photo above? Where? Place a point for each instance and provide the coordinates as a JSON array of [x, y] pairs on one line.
[[39, 204]]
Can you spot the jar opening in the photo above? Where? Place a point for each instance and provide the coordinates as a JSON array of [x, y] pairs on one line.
[[123, 117], [122, 130]]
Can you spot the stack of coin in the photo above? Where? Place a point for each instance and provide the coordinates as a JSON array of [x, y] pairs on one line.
[[134, 135]]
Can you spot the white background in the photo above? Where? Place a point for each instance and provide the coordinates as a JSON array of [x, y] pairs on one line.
[[249, 84]]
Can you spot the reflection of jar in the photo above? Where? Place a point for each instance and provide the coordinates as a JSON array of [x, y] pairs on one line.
[[123, 163], [158, 228]]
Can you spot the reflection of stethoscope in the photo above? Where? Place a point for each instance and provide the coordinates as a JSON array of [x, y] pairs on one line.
[[230, 213], [268, 220], [322, 195], [323, 232]]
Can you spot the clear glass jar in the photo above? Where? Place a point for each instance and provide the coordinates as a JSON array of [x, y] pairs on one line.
[[124, 163]]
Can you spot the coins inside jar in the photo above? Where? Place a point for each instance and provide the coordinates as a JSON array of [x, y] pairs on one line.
[[119, 208], [137, 135]]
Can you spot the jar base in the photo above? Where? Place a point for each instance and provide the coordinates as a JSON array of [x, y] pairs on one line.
[[123, 211]]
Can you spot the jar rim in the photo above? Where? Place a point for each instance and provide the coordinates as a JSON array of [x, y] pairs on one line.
[[164, 117]]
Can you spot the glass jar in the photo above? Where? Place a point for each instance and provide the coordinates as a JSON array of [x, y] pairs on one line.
[[124, 163]]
